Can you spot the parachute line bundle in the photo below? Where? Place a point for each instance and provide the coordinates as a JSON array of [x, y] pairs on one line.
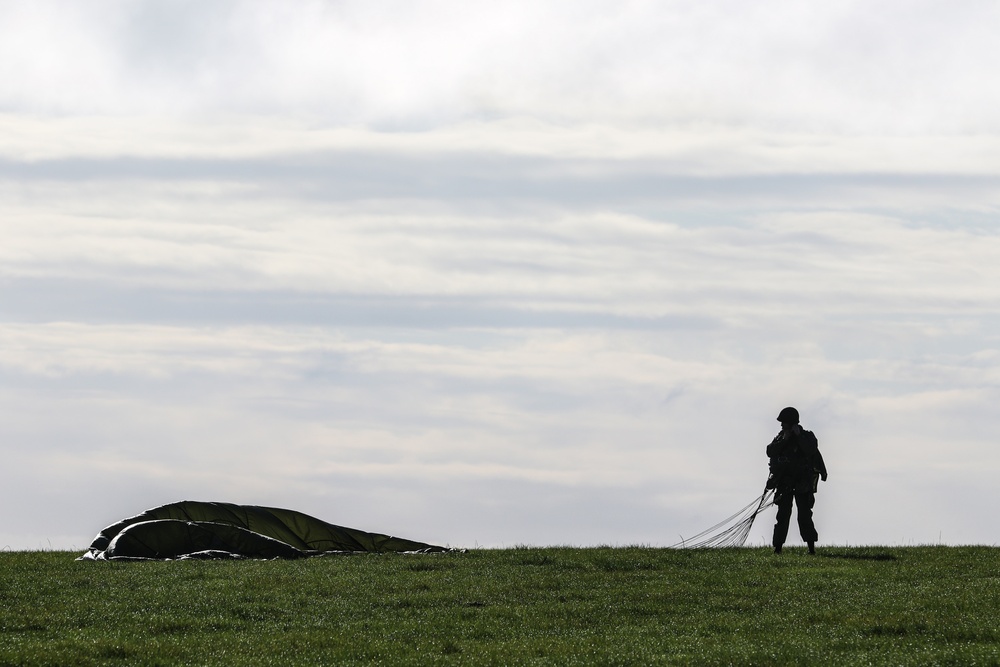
[[732, 531]]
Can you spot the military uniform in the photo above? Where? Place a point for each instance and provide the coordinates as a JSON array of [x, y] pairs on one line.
[[796, 464]]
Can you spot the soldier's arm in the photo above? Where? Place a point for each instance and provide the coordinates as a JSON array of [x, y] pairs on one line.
[[820, 465], [811, 448]]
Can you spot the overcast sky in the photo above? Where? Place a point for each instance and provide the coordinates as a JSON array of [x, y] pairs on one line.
[[487, 274]]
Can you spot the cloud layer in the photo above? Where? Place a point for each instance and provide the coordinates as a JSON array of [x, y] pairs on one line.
[[902, 67], [540, 274]]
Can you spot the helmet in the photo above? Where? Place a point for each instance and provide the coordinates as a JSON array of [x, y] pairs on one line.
[[789, 415]]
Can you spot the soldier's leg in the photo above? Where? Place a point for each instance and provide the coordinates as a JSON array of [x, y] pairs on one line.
[[804, 501], [783, 499]]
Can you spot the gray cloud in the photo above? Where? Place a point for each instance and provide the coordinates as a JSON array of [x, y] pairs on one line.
[[496, 179], [50, 300]]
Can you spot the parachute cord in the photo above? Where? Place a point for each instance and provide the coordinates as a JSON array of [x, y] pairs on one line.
[[732, 531]]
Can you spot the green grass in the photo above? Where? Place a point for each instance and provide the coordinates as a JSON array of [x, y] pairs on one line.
[[561, 606]]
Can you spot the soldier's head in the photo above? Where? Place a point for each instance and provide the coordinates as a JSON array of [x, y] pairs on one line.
[[788, 417]]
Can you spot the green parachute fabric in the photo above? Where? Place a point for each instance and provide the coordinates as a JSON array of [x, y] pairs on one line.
[[191, 529]]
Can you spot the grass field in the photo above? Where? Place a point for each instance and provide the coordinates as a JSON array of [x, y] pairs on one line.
[[602, 606]]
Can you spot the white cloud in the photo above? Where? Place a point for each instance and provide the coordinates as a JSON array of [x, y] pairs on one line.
[[843, 66]]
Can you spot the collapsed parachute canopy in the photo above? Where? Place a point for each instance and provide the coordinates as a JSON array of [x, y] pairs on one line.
[[192, 529]]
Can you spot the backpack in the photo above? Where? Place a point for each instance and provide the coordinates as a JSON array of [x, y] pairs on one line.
[[789, 467]]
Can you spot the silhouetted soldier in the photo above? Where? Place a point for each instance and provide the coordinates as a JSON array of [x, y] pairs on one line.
[[796, 466]]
